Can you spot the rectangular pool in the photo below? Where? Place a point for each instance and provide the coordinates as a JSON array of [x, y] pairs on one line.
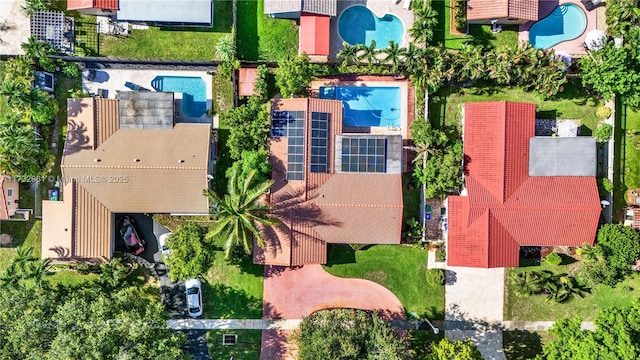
[[193, 89], [366, 106]]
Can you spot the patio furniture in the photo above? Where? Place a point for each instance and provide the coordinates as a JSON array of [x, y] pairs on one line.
[[590, 4], [406, 5], [135, 87], [103, 93]]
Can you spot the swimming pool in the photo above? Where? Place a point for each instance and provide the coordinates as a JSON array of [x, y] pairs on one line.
[[566, 22], [366, 106], [193, 89], [358, 25]]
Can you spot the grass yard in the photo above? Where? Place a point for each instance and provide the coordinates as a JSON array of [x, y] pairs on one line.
[[224, 100], [627, 153], [410, 197], [260, 37], [570, 104], [524, 345], [442, 34], [247, 348], [537, 308], [482, 35], [233, 289], [173, 42], [400, 269]]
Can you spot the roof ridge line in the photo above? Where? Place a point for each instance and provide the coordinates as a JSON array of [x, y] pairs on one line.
[[361, 205], [79, 166]]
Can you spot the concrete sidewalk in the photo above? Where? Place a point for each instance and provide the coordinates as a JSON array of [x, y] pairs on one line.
[[233, 324]]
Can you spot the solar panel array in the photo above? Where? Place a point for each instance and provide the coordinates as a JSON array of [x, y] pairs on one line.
[[319, 137], [291, 125], [363, 154]]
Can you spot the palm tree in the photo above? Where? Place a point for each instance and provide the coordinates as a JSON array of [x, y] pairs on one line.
[[426, 19], [14, 91], [111, 273], [526, 283], [348, 54], [369, 53], [238, 213], [32, 6], [10, 277], [394, 55], [36, 49], [38, 270]]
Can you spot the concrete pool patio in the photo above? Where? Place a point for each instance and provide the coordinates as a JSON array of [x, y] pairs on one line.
[[379, 9], [113, 80], [572, 47], [15, 28]]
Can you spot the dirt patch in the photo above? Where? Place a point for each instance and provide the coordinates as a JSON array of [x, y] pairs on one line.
[[376, 276]]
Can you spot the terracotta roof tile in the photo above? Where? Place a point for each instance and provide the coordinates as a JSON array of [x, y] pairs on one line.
[[314, 35], [247, 81], [514, 9], [505, 208], [92, 4]]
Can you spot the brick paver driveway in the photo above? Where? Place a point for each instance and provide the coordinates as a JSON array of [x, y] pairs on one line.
[[296, 292]]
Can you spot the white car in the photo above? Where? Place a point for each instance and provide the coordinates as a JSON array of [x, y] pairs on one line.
[[194, 297], [162, 243]]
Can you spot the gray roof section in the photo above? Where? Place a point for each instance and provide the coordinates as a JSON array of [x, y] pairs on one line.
[[562, 156], [167, 11], [145, 109], [321, 7]]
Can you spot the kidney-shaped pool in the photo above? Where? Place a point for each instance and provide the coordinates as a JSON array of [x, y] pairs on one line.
[[358, 25]]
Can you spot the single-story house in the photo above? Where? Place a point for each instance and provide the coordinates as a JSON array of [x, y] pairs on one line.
[[330, 186], [521, 190], [501, 11], [10, 195], [122, 156], [152, 12], [314, 17]]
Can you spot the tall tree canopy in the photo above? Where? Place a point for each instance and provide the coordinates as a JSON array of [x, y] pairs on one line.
[[294, 75], [619, 246], [191, 255], [347, 334], [617, 336]]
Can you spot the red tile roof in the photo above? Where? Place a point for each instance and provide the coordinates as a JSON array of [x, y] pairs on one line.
[[247, 81], [326, 207], [92, 4], [314, 35], [505, 208], [513, 9]]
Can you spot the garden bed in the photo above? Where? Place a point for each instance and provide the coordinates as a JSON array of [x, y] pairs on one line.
[[627, 154]]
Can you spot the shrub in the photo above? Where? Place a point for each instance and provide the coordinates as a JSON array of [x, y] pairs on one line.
[[553, 259], [595, 273], [413, 235], [460, 15], [603, 112], [441, 254], [603, 132], [435, 277], [605, 186]]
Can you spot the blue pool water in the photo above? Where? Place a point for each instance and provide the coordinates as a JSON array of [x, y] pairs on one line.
[[366, 106], [193, 89], [358, 25], [566, 22]]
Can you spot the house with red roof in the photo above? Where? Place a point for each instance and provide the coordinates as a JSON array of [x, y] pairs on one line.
[[330, 186], [501, 11], [520, 190], [314, 17]]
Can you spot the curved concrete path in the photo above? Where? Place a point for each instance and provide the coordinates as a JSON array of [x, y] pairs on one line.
[[296, 292]]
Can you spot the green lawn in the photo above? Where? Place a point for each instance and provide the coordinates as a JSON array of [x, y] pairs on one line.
[[247, 348], [400, 269], [223, 95], [570, 104], [627, 152], [538, 308], [482, 35], [260, 37], [524, 345], [233, 289], [443, 35], [169, 42], [411, 198]]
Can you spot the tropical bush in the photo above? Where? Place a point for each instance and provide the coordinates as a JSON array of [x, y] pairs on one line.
[[605, 186], [249, 161], [553, 259], [603, 112], [619, 246], [249, 127], [191, 254], [294, 75], [604, 132], [447, 349], [435, 277], [555, 287], [414, 232]]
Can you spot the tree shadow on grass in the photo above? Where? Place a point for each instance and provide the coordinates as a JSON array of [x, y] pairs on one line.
[[224, 302], [419, 342], [245, 263], [521, 344]]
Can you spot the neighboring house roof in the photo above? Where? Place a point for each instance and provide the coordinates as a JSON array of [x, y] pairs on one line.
[[320, 7], [198, 12], [92, 4], [110, 170], [496, 9], [247, 78], [314, 35], [506, 207], [328, 206]]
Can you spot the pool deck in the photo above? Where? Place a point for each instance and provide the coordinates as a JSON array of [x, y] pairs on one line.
[[113, 80], [379, 8], [573, 47], [15, 27], [406, 92]]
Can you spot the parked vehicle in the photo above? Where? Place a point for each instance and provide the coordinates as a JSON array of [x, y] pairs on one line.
[[132, 240], [194, 297], [162, 244]]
